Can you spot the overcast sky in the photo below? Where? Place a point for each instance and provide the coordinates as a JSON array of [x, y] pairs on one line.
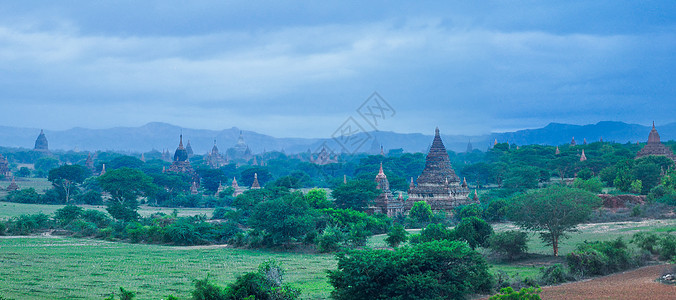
[[300, 69]]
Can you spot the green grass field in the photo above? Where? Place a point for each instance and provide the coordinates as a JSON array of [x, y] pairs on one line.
[[9, 209], [39, 184], [68, 268]]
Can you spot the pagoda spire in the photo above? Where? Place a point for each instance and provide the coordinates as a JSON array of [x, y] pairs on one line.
[[557, 151], [464, 182], [255, 185], [583, 157]]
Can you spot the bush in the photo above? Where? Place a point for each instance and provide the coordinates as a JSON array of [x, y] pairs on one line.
[[434, 270], [668, 247], [343, 218], [433, 232], [496, 211], [28, 195], [101, 219], [3, 227], [508, 293], [554, 274], [599, 258], [511, 244], [220, 213], [645, 241], [67, 214], [330, 239], [28, 224], [266, 283]]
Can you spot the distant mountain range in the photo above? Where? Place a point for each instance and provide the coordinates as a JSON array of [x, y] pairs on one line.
[[160, 136]]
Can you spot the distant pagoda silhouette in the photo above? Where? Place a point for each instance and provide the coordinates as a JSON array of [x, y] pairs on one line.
[[438, 185], [655, 146], [41, 143]]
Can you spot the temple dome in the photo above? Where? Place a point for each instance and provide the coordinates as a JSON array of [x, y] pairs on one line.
[[181, 154]]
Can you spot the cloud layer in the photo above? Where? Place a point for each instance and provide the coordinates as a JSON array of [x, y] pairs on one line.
[[301, 69]]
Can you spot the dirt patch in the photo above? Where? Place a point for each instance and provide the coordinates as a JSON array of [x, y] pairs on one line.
[[635, 284]]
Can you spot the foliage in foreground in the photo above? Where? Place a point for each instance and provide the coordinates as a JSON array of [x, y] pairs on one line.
[[266, 283], [508, 293], [432, 270]]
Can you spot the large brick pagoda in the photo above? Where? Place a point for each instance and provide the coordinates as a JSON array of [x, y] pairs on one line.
[[438, 185], [655, 146]]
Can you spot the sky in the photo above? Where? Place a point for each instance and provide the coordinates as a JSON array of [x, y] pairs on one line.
[[307, 68]]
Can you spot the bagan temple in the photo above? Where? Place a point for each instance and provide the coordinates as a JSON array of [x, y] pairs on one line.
[[385, 203], [41, 143], [180, 164], [438, 185], [655, 146]]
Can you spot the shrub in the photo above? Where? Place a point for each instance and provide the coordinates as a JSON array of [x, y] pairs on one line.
[[330, 239], [220, 213], [668, 247], [28, 195], [512, 243], [3, 227], [27, 224], [396, 236], [101, 219], [599, 258], [67, 214], [496, 211], [343, 218], [433, 232], [645, 240], [266, 283], [554, 274], [508, 293]]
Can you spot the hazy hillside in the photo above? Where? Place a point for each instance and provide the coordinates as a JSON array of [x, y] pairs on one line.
[[161, 136]]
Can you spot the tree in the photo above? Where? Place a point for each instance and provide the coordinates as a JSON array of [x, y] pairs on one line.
[[511, 243], [420, 213], [473, 230], [285, 220], [434, 270], [555, 210], [317, 198], [355, 194], [23, 172], [396, 236], [125, 185], [66, 178]]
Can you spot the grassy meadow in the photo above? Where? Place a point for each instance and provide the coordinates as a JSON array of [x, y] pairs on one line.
[[69, 268], [9, 209], [47, 267]]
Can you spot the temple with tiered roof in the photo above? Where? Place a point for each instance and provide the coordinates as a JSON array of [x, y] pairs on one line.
[[655, 146], [181, 164], [214, 159], [386, 203], [438, 185]]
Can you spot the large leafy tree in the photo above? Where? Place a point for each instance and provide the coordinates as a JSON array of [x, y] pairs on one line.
[[285, 220], [125, 186], [66, 179], [554, 210], [433, 270], [355, 194]]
